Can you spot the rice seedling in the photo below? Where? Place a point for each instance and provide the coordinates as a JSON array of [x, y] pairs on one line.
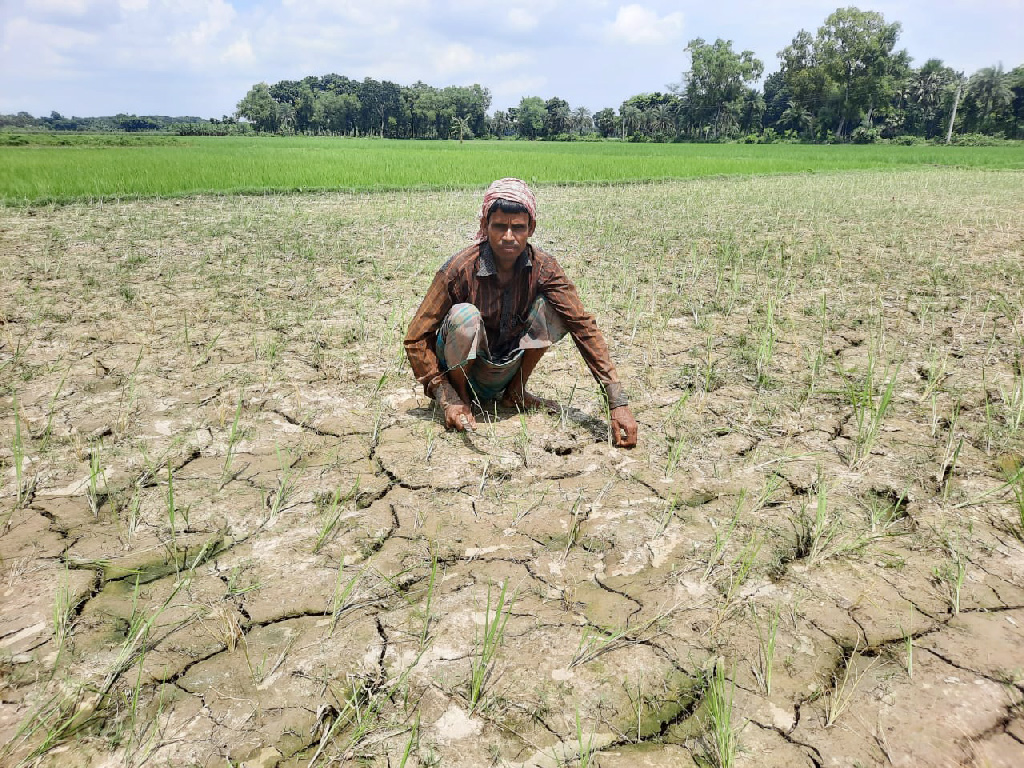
[[172, 510], [577, 516], [723, 535], [950, 454], [96, 476], [594, 641], [951, 575], [63, 614], [48, 429], [428, 601], [677, 446], [342, 598], [585, 757], [333, 514], [522, 440], [1015, 482], [721, 738], [870, 396], [767, 630], [908, 648], [765, 344], [67, 712], [285, 483], [234, 434], [815, 533], [488, 643], [412, 743], [843, 687], [18, 455], [738, 573]]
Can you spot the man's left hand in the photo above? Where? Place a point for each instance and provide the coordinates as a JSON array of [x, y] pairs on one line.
[[623, 427]]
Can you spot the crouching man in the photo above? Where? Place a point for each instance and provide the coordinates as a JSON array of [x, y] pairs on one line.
[[491, 313]]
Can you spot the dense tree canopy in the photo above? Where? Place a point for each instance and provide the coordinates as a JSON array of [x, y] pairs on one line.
[[847, 81]]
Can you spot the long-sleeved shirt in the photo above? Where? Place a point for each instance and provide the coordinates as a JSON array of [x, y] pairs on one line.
[[471, 276]]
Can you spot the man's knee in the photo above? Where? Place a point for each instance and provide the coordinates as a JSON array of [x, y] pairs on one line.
[[462, 335]]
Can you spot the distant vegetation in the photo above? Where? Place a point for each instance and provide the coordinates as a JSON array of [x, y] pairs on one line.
[[847, 82]]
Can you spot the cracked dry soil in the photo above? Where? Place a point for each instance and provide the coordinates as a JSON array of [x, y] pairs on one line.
[[234, 533]]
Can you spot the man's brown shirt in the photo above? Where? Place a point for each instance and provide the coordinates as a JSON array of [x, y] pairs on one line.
[[471, 276]]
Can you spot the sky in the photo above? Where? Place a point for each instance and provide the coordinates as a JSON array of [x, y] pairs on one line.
[[200, 57]]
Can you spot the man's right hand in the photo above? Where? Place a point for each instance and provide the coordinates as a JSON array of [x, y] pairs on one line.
[[459, 417]]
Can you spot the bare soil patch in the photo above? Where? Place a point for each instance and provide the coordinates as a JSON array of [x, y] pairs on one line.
[[232, 530]]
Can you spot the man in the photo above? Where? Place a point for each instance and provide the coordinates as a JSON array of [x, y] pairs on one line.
[[492, 311]]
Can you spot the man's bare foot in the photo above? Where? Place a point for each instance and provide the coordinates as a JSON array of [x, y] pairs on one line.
[[526, 402]]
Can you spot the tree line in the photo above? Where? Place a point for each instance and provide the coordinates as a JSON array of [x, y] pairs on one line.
[[845, 82]]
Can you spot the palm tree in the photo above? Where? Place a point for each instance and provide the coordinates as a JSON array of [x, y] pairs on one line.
[[990, 89], [462, 126], [631, 117], [582, 120], [796, 117]]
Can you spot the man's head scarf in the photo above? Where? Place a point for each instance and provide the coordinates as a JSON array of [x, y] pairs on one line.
[[507, 189]]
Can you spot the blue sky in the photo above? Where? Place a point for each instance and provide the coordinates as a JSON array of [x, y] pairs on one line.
[[199, 57]]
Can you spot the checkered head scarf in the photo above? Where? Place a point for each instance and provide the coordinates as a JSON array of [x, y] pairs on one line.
[[507, 189]]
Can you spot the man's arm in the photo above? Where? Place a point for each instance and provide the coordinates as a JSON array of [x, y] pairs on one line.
[[421, 349], [421, 338], [561, 294]]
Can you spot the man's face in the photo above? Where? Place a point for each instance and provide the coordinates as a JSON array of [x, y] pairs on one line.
[[508, 234]]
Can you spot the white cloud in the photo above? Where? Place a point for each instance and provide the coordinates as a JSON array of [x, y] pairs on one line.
[[521, 19], [636, 25], [239, 52], [133, 5], [60, 7], [455, 58]]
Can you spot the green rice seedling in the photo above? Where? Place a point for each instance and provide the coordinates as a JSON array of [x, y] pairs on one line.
[[342, 598], [488, 642], [765, 344], [412, 743], [739, 572], [522, 440], [334, 512], [815, 533], [207, 349], [48, 429], [767, 630], [950, 454], [234, 434], [721, 740], [951, 576], [586, 747], [594, 642], [1013, 398], [431, 440], [96, 476], [284, 488], [843, 688], [1015, 481], [63, 614], [666, 518], [172, 511], [576, 519], [428, 602], [870, 397], [64, 715], [18, 455], [722, 537], [677, 446]]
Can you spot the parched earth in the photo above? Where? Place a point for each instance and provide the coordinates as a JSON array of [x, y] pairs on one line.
[[233, 532]]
